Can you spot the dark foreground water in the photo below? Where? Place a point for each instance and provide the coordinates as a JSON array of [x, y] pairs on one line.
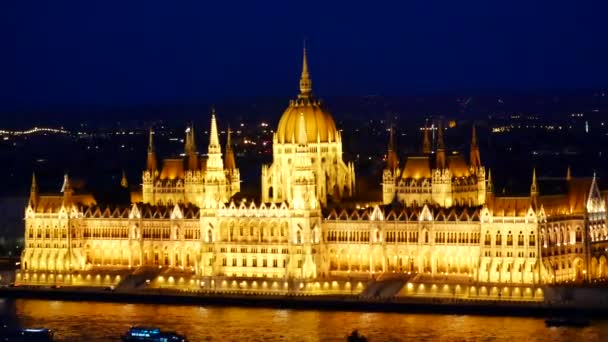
[[88, 321]]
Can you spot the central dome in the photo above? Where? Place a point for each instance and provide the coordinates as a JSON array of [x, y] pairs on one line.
[[318, 123]]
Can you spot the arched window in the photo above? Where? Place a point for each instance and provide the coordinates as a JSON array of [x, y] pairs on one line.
[[426, 236], [498, 239], [299, 237], [209, 235], [579, 235], [270, 192], [520, 239], [532, 240], [509, 239], [488, 240]]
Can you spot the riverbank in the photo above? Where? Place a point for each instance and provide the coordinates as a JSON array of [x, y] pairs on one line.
[[329, 302]]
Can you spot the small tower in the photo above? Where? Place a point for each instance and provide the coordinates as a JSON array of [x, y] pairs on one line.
[[229, 161], [33, 201], [190, 149], [426, 141], [392, 161], [151, 164], [305, 81], [534, 189], [67, 190], [441, 158], [475, 159]]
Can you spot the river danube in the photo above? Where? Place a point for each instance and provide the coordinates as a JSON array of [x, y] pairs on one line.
[[90, 321]]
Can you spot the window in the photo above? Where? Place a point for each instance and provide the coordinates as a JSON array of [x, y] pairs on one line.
[[234, 262], [255, 262], [275, 263], [264, 263], [509, 239], [498, 239], [520, 239], [488, 240], [244, 264], [224, 262], [532, 241]]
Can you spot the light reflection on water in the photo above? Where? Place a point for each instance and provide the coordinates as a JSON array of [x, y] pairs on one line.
[[90, 321]]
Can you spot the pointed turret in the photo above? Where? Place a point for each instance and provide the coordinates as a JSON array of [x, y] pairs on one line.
[[67, 190], [123, 180], [441, 159], [426, 141], [534, 189], [595, 202], [475, 159], [214, 151], [392, 161], [568, 174], [305, 81], [151, 164], [33, 192], [229, 161], [490, 187], [190, 149]]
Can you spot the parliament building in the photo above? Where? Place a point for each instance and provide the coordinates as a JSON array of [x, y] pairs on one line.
[[438, 223]]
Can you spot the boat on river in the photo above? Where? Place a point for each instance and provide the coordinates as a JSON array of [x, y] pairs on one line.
[[149, 334], [26, 334]]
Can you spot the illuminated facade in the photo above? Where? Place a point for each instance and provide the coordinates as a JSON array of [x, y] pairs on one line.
[[441, 221]]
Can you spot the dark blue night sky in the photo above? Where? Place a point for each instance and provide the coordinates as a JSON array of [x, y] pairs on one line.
[[162, 52]]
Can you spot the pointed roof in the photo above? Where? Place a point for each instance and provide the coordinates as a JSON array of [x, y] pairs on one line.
[[214, 139], [534, 185], [305, 81], [229, 161], [33, 191], [595, 202], [426, 141], [392, 161]]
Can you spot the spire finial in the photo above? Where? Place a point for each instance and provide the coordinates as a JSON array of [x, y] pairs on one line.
[[305, 82]]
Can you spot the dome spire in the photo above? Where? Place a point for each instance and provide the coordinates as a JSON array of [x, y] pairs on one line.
[[305, 81]]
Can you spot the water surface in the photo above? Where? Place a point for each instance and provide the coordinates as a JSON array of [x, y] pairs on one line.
[[91, 321]]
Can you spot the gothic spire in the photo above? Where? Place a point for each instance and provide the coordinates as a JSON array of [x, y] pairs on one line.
[[305, 81], [534, 185], [426, 141], [229, 161], [214, 140], [475, 159], [33, 191], [441, 158], [392, 161], [151, 162]]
